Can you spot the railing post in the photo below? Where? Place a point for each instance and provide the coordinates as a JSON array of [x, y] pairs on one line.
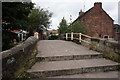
[[79, 37], [66, 36], [72, 36], [36, 35]]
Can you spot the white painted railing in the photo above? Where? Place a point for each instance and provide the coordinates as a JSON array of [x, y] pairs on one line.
[[80, 35]]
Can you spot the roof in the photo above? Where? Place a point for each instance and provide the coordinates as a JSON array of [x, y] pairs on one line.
[[18, 31], [15, 31], [108, 15], [56, 32], [116, 26], [83, 15], [5, 23]]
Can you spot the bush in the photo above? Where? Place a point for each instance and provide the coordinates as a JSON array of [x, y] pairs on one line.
[[7, 40], [53, 37]]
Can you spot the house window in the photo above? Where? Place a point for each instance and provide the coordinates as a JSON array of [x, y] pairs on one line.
[[106, 37], [117, 30]]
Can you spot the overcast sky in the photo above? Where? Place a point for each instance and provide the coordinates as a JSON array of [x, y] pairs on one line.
[[65, 8]]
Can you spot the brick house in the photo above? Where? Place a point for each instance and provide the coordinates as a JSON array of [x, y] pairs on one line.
[[116, 32], [98, 22]]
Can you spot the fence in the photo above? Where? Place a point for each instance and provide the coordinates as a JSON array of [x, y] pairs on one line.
[[78, 36]]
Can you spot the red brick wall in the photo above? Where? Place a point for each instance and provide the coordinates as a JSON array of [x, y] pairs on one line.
[[98, 22], [116, 36]]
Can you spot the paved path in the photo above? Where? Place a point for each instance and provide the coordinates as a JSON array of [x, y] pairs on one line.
[[64, 59], [61, 48]]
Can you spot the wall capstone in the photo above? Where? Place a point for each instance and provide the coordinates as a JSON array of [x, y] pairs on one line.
[[110, 49]]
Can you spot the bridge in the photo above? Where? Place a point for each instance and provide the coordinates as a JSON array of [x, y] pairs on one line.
[[62, 59]]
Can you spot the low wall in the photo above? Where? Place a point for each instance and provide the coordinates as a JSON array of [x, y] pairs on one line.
[[110, 49], [17, 59]]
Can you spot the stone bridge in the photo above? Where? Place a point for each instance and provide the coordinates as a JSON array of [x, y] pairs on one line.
[[62, 59]]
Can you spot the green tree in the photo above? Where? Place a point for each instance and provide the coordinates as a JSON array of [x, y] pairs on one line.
[[39, 19], [78, 28], [14, 17], [63, 27], [16, 14]]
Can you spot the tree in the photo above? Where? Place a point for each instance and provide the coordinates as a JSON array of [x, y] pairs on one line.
[[39, 19], [78, 28], [63, 27], [14, 17], [16, 14]]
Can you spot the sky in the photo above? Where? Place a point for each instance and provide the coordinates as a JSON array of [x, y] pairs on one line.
[[65, 8]]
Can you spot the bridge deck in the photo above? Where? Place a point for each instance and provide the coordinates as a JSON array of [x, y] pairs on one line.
[[61, 48], [64, 59]]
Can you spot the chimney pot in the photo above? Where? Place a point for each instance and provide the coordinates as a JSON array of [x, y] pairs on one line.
[[81, 12]]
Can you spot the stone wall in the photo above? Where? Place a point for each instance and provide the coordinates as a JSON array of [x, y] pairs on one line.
[[18, 59], [110, 49]]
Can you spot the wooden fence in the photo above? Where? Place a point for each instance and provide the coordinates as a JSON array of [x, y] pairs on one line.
[[77, 36]]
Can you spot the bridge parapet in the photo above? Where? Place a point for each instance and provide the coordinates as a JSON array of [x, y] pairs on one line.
[[110, 49], [17, 59]]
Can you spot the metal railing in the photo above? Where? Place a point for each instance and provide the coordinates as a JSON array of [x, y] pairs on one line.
[[77, 36]]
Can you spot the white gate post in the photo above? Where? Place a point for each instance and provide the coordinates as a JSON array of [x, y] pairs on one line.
[[72, 36], [79, 37], [66, 36], [36, 35]]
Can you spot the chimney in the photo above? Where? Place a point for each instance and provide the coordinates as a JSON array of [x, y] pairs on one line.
[[81, 12], [98, 4]]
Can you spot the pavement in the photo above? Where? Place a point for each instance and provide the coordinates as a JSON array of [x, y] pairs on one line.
[[111, 74], [47, 48], [65, 59]]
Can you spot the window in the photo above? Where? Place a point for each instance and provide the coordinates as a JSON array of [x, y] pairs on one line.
[[106, 37], [117, 30]]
